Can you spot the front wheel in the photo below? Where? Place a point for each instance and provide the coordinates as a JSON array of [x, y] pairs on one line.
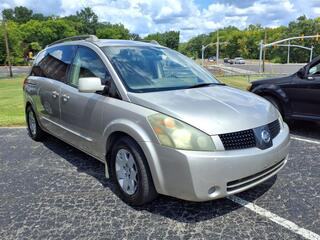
[[130, 172], [34, 130]]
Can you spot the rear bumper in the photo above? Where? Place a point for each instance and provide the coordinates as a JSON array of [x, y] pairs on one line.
[[194, 175]]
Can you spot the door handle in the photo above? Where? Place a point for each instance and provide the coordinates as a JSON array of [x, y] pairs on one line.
[[65, 97], [55, 94]]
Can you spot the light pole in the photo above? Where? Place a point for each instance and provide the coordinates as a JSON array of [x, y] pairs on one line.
[[278, 43], [288, 58], [260, 56], [217, 53], [311, 53], [203, 48], [202, 52]]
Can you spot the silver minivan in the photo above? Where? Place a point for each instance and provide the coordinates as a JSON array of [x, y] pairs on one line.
[[159, 122]]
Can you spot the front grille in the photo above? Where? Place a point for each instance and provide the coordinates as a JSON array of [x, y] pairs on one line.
[[238, 140], [246, 139], [274, 128], [243, 182]]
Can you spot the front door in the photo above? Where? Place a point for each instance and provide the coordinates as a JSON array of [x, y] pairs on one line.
[[81, 113], [305, 93]]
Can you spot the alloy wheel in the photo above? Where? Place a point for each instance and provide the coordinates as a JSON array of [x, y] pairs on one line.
[[126, 171]]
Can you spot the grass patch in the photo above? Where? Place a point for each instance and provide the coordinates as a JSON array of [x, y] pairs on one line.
[[11, 102], [235, 81], [243, 82]]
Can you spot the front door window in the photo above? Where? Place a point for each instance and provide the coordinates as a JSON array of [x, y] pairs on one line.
[[88, 64]]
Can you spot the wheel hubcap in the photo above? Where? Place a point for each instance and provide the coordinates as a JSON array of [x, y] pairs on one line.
[[32, 123], [126, 171]]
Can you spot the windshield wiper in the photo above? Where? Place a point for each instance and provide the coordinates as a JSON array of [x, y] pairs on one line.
[[205, 85]]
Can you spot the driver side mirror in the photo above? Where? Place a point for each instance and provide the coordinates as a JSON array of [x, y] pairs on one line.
[[90, 85], [301, 73]]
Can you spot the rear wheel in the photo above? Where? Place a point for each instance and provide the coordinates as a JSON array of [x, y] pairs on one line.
[[130, 172], [34, 130]]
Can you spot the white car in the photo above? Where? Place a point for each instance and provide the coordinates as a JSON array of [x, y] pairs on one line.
[[239, 60]]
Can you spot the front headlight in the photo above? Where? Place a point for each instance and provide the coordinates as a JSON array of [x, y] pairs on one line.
[[176, 134]]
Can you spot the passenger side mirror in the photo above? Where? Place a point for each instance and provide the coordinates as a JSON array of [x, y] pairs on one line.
[[90, 84]]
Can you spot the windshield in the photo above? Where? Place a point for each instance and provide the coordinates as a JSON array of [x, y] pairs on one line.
[[147, 68]]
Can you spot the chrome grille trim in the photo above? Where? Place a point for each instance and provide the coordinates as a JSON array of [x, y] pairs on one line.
[[246, 138]]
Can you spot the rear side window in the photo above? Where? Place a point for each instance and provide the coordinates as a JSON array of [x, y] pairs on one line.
[[54, 63], [87, 63]]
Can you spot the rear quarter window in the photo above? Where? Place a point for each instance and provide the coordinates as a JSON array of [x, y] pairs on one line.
[[54, 63]]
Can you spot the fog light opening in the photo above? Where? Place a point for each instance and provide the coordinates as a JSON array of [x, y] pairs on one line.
[[212, 190]]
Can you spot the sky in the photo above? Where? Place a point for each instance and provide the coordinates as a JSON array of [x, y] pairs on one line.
[[190, 17]]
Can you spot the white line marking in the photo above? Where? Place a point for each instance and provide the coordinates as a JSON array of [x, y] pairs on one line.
[[305, 140], [275, 218]]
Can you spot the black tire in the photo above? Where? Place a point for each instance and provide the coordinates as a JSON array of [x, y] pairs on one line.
[[38, 134], [145, 191]]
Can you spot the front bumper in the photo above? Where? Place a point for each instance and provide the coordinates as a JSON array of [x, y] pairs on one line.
[[194, 175]]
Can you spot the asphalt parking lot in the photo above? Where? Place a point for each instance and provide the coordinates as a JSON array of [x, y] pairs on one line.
[[50, 190]]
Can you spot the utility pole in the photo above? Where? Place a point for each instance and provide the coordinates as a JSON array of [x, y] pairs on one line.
[[311, 52], [264, 51], [217, 53], [5, 33], [288, 57], [202, 55], [260, 55]]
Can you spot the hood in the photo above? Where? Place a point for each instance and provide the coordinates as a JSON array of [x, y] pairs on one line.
[[213, 110], [280, 80]]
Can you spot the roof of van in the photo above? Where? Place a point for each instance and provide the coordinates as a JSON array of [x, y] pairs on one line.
[[102, 42], [114, 42], [109, 42]]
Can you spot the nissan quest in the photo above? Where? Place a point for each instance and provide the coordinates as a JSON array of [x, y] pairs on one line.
[[159, 122]]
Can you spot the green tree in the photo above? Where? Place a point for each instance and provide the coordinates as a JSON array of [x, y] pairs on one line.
[[46, 32], [193, 46], [33, 31], [40, 17], [169, 39], [35, 47], [18, 14], [8, 14], [15, 43], [88, 19], [112, 31], [22, 14]]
